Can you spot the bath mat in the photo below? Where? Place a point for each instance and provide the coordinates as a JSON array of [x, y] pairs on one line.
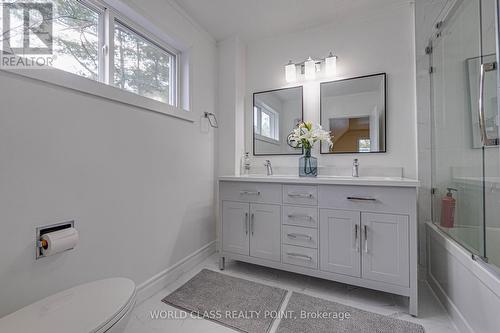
[[314, 315], [240, 304]]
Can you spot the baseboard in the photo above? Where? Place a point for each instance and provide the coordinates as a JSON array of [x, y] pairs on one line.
[[455, 314], [153, 285]]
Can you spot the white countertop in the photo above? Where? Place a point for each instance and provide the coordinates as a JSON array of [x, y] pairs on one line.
[[326, 180]]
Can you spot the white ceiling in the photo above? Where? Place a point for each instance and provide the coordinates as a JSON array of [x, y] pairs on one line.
[[253, 19]]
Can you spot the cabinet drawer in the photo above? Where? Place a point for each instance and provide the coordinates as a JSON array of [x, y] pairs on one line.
[[367, 198], [300, 236], [251, 192], [300, 194], [300, 216], [300, 256]]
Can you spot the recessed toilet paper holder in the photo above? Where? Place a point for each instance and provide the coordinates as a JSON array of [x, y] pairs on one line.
[[40, 231]]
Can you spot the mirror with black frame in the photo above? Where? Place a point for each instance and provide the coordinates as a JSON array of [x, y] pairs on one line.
[[354, 111], [275, 114]]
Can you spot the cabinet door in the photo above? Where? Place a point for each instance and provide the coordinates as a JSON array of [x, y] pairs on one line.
[[235, 227], [340, 242], [265, 231], [385, 248]]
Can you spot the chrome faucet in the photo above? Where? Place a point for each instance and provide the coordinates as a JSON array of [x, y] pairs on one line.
[[269, 167], [355, 168]]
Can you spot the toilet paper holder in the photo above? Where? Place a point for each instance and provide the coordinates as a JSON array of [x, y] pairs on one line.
[[40, 231]]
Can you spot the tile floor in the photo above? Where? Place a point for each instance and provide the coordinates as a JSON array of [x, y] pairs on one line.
[[432, 316]]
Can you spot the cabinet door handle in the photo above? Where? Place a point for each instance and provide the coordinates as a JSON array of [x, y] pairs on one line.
[[252, 223], [305, 217], [250, 192], [246, 223], [295, 236], [361, 199], [299, 256], [356, 238], [300, 195], [366, 238]]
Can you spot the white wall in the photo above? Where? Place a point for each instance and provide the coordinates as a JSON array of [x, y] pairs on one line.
[[230, 104], [139, 185], [373, 42]]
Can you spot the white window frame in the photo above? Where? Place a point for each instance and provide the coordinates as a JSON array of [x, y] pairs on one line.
[[104, 86], [275, 123]]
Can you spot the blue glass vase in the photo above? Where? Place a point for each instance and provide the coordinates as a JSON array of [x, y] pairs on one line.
[[308, 165]]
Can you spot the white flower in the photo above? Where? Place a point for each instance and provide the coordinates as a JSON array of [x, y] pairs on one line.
[[307, 134]]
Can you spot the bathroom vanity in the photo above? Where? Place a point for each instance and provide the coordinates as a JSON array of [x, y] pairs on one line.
[[359, 231]]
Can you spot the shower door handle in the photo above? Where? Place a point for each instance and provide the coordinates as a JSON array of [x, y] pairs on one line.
[[482, 121], [482, 116]]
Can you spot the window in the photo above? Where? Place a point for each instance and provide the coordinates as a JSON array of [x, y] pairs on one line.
[[141, 66], [364, 145], [266, 122], [76, 38], [82, 32]]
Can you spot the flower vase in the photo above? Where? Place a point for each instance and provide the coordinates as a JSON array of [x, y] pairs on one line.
[[308, 165]]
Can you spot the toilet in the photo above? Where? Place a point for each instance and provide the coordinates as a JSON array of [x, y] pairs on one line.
[[95, 307]]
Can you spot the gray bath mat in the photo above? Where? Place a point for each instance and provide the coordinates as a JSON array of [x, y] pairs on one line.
[[240, 304], [303, 315]]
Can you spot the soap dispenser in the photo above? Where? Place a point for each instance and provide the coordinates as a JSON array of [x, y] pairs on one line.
[[448, 204]]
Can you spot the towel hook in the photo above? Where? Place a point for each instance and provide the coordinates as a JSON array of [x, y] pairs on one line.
[[212, 120]]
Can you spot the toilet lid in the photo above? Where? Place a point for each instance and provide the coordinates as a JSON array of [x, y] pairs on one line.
[[83, 309]]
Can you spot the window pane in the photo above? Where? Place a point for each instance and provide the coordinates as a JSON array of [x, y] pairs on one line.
[[266, 125], [76, 40], [141, 66], [256, 115]]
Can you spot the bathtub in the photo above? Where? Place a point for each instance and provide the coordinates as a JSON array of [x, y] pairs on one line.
[[467, 287], [471, 237]]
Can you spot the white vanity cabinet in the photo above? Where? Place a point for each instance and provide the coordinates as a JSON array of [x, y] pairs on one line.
[[356, 231]]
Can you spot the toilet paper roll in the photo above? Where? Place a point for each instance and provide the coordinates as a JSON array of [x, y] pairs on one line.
[[59, 241]]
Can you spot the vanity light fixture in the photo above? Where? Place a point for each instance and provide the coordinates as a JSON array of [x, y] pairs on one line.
[[331, 65], [310, 67], [290, 72]]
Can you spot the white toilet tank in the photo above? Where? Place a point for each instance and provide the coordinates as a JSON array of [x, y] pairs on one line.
[[93, 307]]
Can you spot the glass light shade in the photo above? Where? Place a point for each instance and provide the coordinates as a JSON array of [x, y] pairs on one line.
[[290, 72], [331, 65], [310, 69]]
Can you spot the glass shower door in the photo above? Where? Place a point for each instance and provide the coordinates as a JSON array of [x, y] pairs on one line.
[[490, 130], [457, 150]]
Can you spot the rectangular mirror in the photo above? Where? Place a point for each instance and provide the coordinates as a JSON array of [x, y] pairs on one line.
[[275, 114], [354, 111]]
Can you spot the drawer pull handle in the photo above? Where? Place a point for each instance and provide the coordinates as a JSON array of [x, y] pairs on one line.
[[300, 195], [250, 192], [295, 236], [305, 217], [361, 199], [300, 256]]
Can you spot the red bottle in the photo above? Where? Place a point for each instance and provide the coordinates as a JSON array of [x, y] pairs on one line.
[[448, 209]]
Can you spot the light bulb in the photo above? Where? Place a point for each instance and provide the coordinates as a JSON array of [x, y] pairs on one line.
[[290, 72], [310, 69], [331, 65]]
